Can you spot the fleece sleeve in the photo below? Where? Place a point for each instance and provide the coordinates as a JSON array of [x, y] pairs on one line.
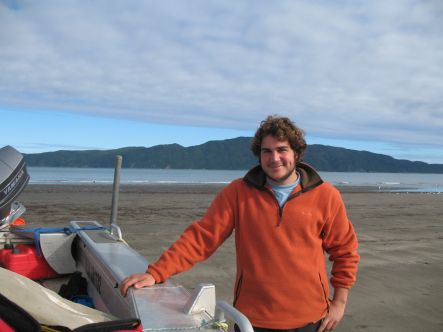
[[199, 240], [340, 242]]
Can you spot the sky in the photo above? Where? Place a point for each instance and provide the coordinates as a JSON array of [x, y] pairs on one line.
[[104, 74]]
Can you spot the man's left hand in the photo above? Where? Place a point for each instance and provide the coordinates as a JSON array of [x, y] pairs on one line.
[[336, 312]]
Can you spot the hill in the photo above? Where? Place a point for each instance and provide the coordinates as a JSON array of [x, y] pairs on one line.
[[227, 154]]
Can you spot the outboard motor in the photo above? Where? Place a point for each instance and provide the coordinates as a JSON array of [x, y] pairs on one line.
[[13, 180]]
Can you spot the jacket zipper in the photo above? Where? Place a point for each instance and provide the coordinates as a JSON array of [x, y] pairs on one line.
[[324, 292], [237, 289], [280, 208]]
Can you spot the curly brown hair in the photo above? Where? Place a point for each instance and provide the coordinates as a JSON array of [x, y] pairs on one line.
[[281, 128]]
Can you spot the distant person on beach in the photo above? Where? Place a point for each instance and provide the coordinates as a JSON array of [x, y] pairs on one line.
[[285, 218]]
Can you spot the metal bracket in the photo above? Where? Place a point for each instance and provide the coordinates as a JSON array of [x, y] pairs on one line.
[[202, 299]]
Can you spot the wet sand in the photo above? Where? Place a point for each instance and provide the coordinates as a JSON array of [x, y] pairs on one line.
[[400, 279]]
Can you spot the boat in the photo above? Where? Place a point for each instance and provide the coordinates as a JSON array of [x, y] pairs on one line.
[[68, 278]]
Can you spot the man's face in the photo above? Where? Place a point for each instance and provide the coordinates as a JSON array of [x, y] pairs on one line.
[[278, 160]]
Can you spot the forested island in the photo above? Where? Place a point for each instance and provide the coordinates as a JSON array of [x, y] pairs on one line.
[[229, 154]]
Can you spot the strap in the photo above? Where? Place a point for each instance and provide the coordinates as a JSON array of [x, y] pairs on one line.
[[46, 230]]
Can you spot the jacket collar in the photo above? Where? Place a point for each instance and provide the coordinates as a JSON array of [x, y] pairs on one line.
[[309, 178]]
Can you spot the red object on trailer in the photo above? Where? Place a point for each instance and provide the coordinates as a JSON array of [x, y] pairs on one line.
[[4, 327], [23, 259], [19, 222]]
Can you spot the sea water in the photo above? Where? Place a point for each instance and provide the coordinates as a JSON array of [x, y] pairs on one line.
[[378, 181]]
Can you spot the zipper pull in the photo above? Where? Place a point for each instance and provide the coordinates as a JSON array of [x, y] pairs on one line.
[[280, 214]]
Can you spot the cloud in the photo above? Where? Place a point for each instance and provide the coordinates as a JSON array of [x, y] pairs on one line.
[[366, 70]]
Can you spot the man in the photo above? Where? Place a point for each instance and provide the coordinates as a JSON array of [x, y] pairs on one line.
[[285, 217]]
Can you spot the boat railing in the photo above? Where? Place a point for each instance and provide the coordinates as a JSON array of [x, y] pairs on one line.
[[223, 308]]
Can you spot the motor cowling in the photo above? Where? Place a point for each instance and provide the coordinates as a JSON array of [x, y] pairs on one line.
[[13, 178]]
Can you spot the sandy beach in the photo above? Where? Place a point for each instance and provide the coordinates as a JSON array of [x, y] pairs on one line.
[[400, 279]]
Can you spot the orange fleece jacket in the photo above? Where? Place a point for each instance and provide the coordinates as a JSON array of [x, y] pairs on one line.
[[281, 280]]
